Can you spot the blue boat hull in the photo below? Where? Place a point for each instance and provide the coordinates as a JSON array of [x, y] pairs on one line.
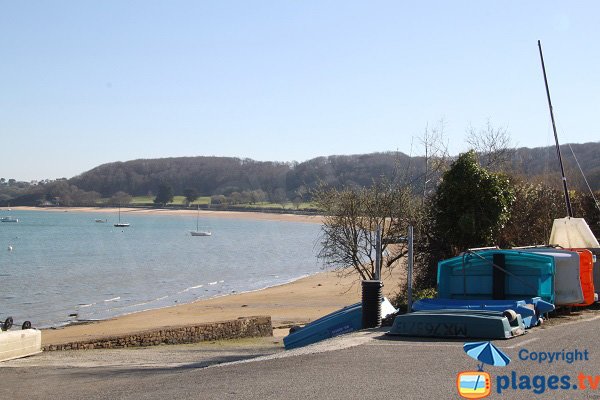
[[529, 309], [345, 320], [472, 276], [463, 324]]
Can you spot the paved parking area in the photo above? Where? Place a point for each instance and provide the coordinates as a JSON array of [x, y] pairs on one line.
[[366, 364]]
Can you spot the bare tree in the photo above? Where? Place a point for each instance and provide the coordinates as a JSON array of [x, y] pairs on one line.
[[350, 223], [120, 198], [279, 196], [493, 145], [435, 147]]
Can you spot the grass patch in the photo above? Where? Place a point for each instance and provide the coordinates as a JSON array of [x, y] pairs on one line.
[[177, 200], [287, 206], [205, 200]]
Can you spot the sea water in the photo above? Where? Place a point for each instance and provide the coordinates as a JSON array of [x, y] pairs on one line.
[[65, 267]]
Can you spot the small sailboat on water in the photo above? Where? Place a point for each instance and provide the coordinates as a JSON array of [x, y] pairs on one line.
[[121, 224], [198, 232]]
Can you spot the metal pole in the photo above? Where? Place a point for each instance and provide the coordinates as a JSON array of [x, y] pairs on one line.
[[378, 253], [562, 170], [410, 266]]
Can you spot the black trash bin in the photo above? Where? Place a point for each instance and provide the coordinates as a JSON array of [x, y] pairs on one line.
[[371, 303]]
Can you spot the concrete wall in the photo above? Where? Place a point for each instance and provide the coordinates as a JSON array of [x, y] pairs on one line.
[[239, 328]]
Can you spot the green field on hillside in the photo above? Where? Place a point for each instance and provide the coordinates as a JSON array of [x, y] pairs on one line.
[[178, 200], [205, 200]]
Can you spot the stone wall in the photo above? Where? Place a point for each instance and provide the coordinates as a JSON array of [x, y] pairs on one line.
[[244, 327]]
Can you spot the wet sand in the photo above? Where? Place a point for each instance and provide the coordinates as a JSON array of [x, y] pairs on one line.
[[294, 303]]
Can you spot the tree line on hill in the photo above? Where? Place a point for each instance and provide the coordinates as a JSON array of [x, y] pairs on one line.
[[229, 180]]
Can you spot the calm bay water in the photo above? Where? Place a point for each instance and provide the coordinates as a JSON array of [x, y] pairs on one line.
[[65, 263]]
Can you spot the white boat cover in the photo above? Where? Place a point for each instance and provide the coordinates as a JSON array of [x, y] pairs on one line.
[[572, 233], [567, 282]]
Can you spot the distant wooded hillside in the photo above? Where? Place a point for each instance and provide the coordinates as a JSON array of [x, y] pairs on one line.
[[541, 163], [281, 181], [224, 175]]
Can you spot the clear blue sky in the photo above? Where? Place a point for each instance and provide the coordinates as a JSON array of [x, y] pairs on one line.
[[83, 83]]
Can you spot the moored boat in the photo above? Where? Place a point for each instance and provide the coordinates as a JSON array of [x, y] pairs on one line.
[[121, 224], [198, 232]]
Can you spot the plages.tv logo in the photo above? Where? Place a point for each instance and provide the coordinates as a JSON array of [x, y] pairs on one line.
[[478, 384], [474, 385]]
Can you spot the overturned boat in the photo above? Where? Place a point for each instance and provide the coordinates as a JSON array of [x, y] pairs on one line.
[[531, 310], [21, 343], [345, 320], [460, 324]]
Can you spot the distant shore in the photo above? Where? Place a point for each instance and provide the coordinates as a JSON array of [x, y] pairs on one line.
[[203, 213]]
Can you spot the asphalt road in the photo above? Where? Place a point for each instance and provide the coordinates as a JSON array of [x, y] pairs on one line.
[[363, 365]]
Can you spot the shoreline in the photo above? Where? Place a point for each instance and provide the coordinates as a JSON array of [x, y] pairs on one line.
[[250, 215], [149, 303], [217, 296], [294, 303]]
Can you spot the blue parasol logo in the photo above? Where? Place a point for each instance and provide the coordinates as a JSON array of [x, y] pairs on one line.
[[477, 385], [486, 353]]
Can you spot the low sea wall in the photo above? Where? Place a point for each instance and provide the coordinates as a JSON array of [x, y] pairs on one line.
[[245, 327]]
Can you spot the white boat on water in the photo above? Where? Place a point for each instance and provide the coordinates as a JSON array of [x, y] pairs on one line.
[[9, 219], [198, 232], [201, 233], [120, 224]]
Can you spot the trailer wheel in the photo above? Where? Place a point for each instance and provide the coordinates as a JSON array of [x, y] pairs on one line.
[[26, 325], [511, 315], [295, 328], [8, 323]]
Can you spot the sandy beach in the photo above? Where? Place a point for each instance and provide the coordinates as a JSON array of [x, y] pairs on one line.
[[295, 303], [203, 213]]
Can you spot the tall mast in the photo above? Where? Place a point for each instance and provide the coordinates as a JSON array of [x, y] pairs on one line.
[[562, 170]]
